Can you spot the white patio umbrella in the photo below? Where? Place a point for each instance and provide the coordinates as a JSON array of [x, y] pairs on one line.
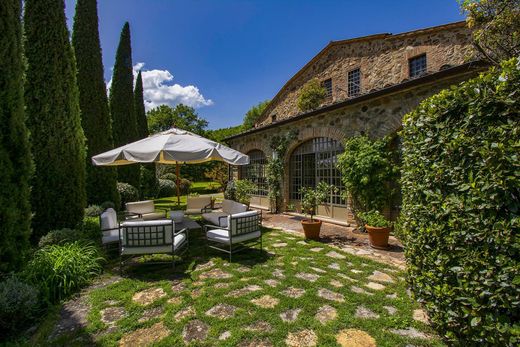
[[173, 146]]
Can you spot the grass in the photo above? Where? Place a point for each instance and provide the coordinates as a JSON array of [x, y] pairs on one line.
[[199, 188], [295, 258]]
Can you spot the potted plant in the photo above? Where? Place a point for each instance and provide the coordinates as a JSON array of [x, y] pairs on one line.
[[378, 228], [311, 198]]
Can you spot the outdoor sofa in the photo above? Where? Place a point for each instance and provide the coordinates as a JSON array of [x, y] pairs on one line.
[[219, 218]]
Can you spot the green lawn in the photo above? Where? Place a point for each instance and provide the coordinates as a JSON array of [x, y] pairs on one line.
[[198, 188], [275, 276]]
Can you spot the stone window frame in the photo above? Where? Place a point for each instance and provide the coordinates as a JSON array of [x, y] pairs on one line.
[[329, 89], [349, 72]]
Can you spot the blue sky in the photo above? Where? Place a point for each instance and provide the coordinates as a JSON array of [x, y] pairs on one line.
[[224, 56]]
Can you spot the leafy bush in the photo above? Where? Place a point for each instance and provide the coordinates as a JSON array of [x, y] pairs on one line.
[[230, 191], [93, 211], [374, 219], [61, 236], [149, 182], [367, 171], [60, 270], [184, 185], [311, 95], [19, 305], [91, 229], [108, 204], [312, 197], [166, 188], [461, 199], [169, 176], [243, 191], [127, 192]]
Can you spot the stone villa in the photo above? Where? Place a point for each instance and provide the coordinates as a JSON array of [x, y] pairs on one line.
[[371, 83]]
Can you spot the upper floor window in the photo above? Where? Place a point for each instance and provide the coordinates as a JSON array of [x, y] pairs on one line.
[[327, 84], [354, 82], [417, 66]]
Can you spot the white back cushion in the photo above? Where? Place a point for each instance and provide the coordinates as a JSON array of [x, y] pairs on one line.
[[238, 208], [198, 202], [140, 207], [109, 219], [227, 205]]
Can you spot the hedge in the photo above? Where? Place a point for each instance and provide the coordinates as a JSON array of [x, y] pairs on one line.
[[459, 221]]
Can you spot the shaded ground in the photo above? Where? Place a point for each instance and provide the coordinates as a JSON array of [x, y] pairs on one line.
[[293, 293]]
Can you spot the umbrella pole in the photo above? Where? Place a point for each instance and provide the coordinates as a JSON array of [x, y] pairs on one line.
[[177, 173]]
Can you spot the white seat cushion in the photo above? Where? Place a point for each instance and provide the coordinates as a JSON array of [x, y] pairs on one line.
[[153, 215], [222, 236], [213, 218], [110, 236], [178, 242]]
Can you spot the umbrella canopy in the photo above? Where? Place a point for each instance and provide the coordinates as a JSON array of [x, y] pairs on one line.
[[171, 147]]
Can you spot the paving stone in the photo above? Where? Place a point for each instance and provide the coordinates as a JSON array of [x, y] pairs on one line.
[[381, 277], [176, 300], [307, 276], [336, 255], [325, 314], [195, 293], [356, 271], [260, 326], [375, 286], [221, 285], [410, 332], [365, 313], [330, 295], [243, 269], [225, 335], [243, 291], [256, 342], [145, 337], [195, 330], [293, 292], [302, 338], [150, 314], [347, 277], [204, 266], [178, 286], [316, 249], [111, 302], [198, 283], [278, 273], [336, 283], [147, 296], [317, 269], [111, 315], [272, 283], [279, 245], [334, 266], [363, 252], [358, 290], [184, 313], [266, 301], [304, 258], [303, 243], [421, 316], [221, 311], [391, 310], [290, 315], [391, 296], [215, 274], [290, 238], [355, 338]]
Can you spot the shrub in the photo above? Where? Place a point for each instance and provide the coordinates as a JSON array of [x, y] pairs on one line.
[[60, 270], [91, 229], [19, 305], [184, 185], [311, 95], [461, 197], [367, 171], [312, 197], [61, 236], [243, 191], [166, 188], [169, 176], [128, 193], [108, 204], [374, 219], [230, 191], [93, 211]]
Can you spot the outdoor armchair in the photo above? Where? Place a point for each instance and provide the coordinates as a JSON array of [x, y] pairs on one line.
[[109, 226], [219, 218], [198, 204], [244, 230], [144, 210]]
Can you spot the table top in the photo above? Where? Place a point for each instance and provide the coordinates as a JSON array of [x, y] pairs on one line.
[[187, 223]]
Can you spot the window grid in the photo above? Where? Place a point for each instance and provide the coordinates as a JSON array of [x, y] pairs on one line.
[[354, 83], [315, 161], [327, 84], [255, 172], [417, 66]]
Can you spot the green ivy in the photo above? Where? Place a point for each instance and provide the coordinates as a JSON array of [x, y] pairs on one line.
[[311, 95], [461, 198]]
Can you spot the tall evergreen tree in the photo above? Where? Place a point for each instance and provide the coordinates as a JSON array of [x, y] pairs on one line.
[[53, 116], [93, 102], [124, 122], [149, 182], [15, 157]]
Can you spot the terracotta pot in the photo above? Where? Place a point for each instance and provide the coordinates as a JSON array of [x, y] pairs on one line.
[[311, 229], [378, 236]]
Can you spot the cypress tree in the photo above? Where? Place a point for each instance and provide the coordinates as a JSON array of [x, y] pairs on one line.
[[121, 100], [148, 176], [15, 157], [53, 116], [93, 102]]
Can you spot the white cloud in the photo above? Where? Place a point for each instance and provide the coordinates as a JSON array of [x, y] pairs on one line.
[[158, 90]]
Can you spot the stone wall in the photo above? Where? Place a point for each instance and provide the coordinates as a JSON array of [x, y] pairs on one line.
[[382, 59]]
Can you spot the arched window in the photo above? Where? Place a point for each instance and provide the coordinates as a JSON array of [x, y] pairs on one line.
[[314, 161], [255, 171]]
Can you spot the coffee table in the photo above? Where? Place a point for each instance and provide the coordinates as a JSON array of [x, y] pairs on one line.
[[187, 223]]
